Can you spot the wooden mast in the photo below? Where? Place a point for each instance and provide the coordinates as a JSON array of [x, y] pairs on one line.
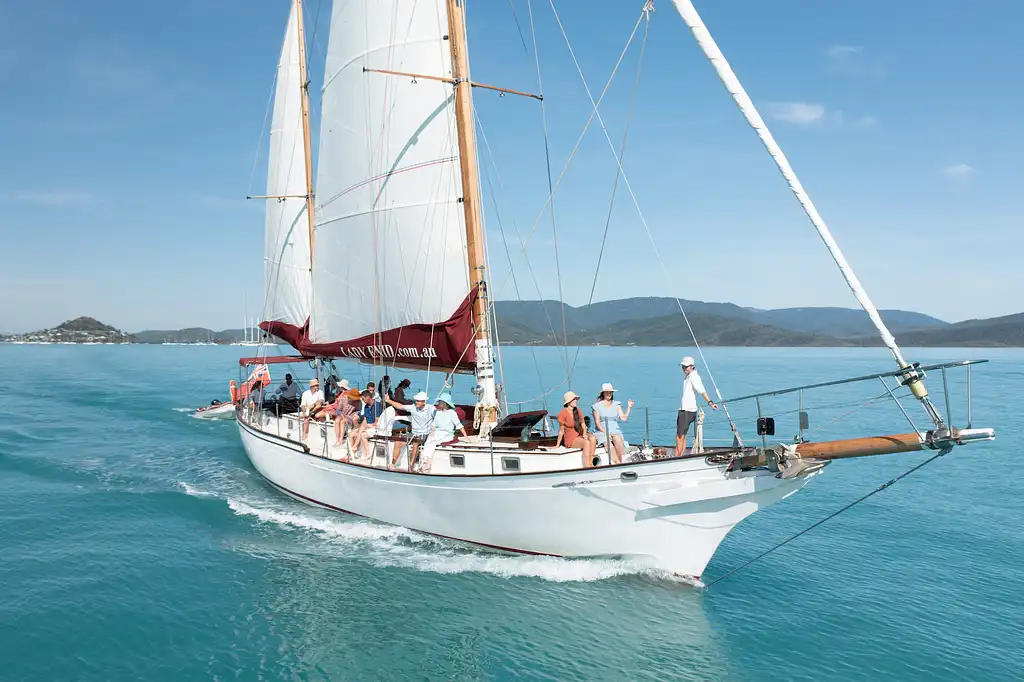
[[304, 85], [468, 161], [487, 397]]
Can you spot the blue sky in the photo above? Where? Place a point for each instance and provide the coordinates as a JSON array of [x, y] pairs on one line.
[[129, 133]]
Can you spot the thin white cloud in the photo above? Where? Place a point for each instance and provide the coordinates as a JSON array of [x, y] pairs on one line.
[[818, 116], [959, 171], [854, 60], [799, 113], [71, 197], [842, 51]]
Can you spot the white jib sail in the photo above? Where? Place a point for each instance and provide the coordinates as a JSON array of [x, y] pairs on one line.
[[389, 234], [732, 84], [288, 282]]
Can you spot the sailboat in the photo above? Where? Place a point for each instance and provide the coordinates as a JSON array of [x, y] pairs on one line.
[[385, 265]]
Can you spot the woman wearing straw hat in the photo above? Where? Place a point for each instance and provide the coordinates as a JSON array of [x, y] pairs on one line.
[[572, 429], [607, 415]]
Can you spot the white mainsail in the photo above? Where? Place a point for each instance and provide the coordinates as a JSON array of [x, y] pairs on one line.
[[288, 282], [390, 232]]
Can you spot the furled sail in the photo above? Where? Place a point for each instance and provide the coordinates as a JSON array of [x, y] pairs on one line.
[[288, 282], [390, 273]]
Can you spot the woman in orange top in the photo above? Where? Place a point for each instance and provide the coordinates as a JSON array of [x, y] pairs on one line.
[[572, 430]]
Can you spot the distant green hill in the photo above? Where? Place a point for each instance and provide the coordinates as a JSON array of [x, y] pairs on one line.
[[191, 335], [726, 324], [669, 330], [821, 321], [78, 330], [997, 331]]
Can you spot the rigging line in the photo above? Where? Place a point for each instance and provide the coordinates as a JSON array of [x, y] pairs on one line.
[[625, 179], [316, 25], [615, 185], [579, 141], [515, 18], [879, 489], [872, 401], [508, 253], [529, 266], [551, 192], [263, 129]]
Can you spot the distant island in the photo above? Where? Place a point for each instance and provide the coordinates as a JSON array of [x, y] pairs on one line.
[[647, 321], [78, 330], [90, 330]]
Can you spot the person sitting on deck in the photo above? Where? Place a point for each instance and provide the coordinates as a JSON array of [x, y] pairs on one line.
[[343, 410], [607, 415], [288, 395], [572, 429], [366, 421], [313, 405], [446, 425], [372, 388], [421, 419], [692, 387], [399, 396]]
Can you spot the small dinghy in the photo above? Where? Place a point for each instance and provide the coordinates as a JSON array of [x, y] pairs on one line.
[[226, 410], [216, 410]]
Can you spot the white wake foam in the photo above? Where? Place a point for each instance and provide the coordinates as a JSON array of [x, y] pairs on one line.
[[393, 546], [193, 491]]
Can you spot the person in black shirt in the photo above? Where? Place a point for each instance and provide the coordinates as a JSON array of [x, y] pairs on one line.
[[399, 393], [384, 388]]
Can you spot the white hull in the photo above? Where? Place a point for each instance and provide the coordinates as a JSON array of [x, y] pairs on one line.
[[673, 512], [222, 411]]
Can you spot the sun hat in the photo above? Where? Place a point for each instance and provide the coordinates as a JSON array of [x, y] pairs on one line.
[[352, 394], [568, 398], [687, 362], [445, 398], [343, 384], [607, 387], [421, 396], [314, 380]]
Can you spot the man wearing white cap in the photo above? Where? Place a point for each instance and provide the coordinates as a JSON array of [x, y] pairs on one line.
[[692, 387], [421, 419]]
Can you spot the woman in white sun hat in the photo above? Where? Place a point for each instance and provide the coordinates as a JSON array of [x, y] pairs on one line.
[[607, 415]]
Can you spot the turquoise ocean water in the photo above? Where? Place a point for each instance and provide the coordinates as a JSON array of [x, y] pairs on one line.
[[137, 543]]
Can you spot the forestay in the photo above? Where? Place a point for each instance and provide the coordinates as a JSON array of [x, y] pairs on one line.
[[390, 274], [288, 281]]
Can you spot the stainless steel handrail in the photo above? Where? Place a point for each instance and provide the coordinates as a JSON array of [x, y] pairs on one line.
[[867, 377]]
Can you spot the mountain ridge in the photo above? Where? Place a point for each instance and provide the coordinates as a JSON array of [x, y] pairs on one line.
[[643, 321]]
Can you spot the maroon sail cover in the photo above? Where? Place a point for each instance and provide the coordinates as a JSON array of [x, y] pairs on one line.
[[442, 346]]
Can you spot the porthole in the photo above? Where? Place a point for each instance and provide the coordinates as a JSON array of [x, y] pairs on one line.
[[457, 461], [510, 464]]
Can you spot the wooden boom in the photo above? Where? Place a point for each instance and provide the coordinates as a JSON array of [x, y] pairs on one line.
[[843, 449], [861, 447]]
